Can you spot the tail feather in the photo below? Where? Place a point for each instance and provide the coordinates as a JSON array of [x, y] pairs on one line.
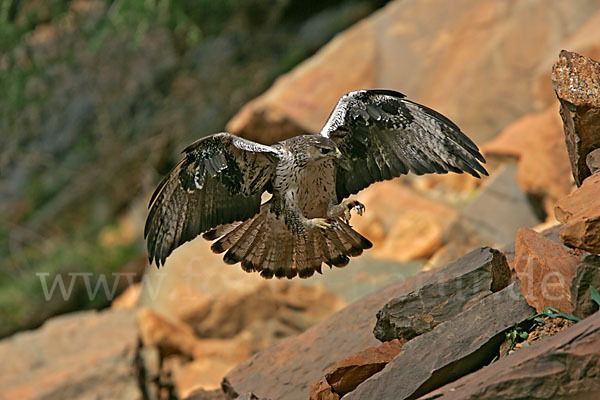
[[230, 238], [240, 249], [264, 244], [220, 231]]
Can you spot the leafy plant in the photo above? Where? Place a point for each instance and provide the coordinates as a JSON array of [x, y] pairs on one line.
[[515, 335], [554, 313]]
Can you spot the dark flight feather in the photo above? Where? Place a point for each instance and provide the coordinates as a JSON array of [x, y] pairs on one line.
[[382, 135], [219, 181]]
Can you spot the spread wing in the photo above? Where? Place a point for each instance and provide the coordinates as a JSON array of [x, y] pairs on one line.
[[220, 180], [383, 135]]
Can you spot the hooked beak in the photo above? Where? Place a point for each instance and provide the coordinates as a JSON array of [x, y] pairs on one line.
[[338, 153]]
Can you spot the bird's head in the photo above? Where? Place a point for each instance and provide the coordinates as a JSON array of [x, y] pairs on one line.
[[322, 148]]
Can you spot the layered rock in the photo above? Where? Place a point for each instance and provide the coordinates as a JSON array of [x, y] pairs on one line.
[[576, 80], [472, 277], [564, 366], [287, 369], [461, 345]]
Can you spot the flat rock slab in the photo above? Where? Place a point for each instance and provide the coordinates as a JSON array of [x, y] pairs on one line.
[[472, 277], [576, 81], [451, 350], [85, 355], [564, 366]]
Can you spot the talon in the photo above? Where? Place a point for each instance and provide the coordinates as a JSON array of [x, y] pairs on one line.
[[347, 216], [360, 209], [357, 206]]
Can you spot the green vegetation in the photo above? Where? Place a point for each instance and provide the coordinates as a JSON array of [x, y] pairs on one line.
[[98, 98]]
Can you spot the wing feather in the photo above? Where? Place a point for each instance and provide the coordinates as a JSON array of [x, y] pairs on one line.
[[219, 181], [383, 135]]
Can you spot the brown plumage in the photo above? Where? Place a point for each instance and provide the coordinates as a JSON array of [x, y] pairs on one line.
[[371, 135]]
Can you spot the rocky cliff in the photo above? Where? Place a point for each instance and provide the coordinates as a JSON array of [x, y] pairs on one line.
[[504, 304]]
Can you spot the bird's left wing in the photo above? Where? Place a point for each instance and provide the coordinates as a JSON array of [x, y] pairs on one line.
[[219, 181], [383, 135]]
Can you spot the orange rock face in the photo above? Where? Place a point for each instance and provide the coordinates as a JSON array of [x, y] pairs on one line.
[[457, 57], [551, 275], [402, 224], [580, 212]]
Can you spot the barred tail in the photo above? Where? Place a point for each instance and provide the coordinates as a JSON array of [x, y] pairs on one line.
[[265, 245]]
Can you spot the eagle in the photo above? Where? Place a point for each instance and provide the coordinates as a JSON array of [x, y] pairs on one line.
[[217, 188]]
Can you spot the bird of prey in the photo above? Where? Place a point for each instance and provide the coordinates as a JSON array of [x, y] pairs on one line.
[[370, 136]]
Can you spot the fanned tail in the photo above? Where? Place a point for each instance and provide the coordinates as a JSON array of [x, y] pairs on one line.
[[264, 244]]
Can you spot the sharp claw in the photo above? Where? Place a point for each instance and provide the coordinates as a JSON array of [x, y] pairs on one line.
[[357, 206]]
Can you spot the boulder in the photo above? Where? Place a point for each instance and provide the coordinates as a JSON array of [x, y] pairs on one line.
[[452, 349], [402, 224], [204, 373], [220, 301], [80, 355], [580, 212], [576, 80], [536, 140], [423, 48], [493, 217], [564, 366], [553, 276], [467, 280]]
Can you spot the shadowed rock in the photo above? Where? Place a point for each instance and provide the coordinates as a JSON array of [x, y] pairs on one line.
[[470, 278], [564, 366], [452, 349]]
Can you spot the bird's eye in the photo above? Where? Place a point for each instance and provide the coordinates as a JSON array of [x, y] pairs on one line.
[[324, 150]]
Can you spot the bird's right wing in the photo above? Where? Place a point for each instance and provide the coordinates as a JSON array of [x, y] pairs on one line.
[[219, 181]]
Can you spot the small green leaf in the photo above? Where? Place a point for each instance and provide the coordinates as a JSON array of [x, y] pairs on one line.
[[552, 312], [524, 335]]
